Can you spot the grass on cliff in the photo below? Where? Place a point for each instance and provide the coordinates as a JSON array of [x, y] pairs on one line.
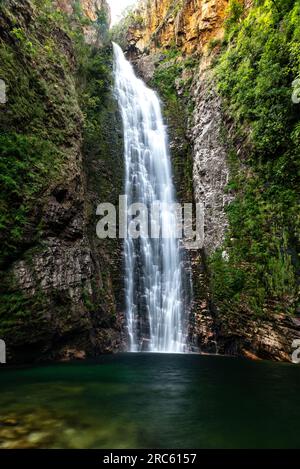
[[258, 65]]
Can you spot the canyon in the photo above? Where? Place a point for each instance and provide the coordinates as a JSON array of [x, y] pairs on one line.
[[62, 288]]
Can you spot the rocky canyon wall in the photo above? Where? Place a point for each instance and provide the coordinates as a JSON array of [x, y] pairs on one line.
[[188, 24], [61, 287]]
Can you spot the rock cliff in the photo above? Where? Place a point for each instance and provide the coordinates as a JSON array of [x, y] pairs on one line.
[[190, 24], [60, 285]]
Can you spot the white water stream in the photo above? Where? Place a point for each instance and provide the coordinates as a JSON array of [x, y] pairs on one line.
[[156, 316]]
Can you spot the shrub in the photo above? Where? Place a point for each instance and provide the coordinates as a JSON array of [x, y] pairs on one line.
[[255, 71]]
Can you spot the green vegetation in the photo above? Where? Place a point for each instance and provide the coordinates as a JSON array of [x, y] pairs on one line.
[[94, 84], [255, 71], [167, 74], [25, 164]]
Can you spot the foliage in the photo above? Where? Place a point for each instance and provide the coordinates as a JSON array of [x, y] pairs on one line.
[[103, 161], [94, 87], [42, 118], [234, 15], [255, 71], [165, 76], [25, 163]]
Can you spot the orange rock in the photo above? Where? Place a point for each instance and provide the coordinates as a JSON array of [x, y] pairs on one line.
[[251, 355], [191, 24]]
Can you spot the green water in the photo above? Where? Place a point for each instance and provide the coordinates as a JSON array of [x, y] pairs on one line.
[[151, 401]]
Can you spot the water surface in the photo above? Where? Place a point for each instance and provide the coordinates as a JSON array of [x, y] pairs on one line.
[[151, 401]]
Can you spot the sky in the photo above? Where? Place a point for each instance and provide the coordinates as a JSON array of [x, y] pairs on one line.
[[117, 6]]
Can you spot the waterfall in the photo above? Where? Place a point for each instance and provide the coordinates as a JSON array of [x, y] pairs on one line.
[[154, 274]]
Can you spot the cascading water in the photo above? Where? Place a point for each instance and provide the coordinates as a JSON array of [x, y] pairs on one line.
[[156, 313]]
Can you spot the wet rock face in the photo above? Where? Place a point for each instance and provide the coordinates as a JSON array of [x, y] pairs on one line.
[[74, 316], [74, 313], [211, 172], [60, 267], [145, 66], [241, 333], [266, 338]]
